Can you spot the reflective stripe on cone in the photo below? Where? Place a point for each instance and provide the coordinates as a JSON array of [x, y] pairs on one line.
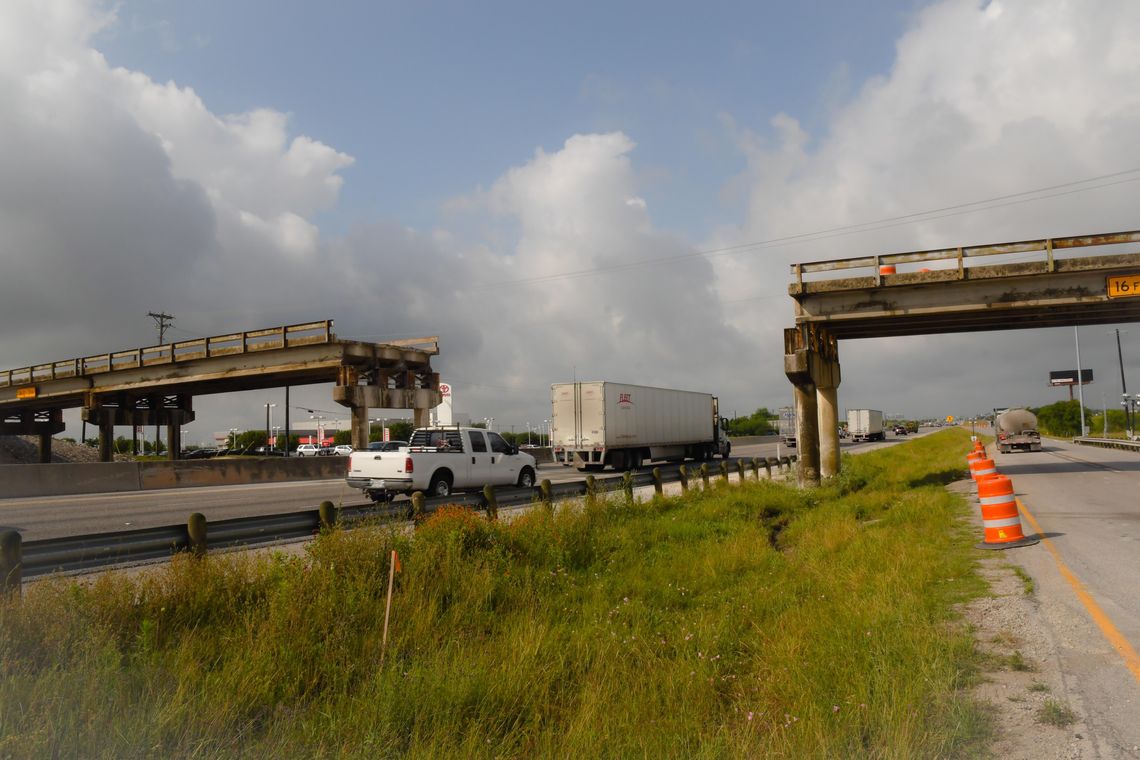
[[1001, 522], [980, 467]]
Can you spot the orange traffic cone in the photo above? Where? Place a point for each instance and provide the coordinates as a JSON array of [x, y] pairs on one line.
[[982, 467], [1001, 522]]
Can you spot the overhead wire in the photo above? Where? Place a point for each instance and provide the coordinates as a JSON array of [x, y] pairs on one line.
[[958, 209]]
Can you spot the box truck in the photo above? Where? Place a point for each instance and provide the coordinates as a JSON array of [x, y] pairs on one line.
[[603, 424], [865, 425]]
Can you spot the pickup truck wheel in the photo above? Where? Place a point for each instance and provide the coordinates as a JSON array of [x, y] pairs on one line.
[[526, 478], [440, 484]]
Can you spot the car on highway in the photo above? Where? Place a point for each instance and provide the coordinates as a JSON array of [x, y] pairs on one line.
[[308, 450], [342, 450], [387, 445], [900, 430]]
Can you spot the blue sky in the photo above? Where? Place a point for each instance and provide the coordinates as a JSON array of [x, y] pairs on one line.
[[432, 99], [440, 168]]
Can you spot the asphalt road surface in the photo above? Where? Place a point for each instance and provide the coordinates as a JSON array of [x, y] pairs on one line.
[[1085, 501], [57, 516]]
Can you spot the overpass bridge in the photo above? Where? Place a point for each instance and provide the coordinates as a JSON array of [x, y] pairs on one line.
[[1053, 282], [156, 385]]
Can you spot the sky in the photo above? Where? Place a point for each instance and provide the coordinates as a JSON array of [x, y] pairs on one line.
[[556, 192]]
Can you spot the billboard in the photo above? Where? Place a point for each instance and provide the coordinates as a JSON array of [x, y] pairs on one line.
[[1069, 377]]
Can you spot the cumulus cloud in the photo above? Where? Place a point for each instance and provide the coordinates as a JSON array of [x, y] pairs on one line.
[[120, 195], [981, 101]]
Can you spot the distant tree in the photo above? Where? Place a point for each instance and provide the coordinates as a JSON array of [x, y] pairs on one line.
[[1061, 419], [757, 423], [400, 431], [342, 437]]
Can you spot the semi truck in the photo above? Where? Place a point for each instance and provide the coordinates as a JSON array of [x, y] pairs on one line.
[[787, 426], [865, 425], [1016, 430], [605, 424]]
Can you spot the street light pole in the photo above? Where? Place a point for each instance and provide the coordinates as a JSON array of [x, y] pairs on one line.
[[1123, 388], [268, 422]]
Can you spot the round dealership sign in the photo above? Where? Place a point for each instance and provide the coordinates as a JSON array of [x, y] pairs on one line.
[[444, 389]]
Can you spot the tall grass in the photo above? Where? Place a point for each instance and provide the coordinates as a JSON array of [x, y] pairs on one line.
[[745, 621]]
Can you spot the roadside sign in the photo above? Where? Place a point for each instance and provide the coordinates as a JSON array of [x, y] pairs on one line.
[[949, 418], [22, 393], [1122, 285]]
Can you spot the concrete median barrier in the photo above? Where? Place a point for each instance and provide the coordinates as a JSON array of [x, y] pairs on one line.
[[31, 480]]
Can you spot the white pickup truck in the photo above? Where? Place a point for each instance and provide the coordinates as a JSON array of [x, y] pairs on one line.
[[440, 461]]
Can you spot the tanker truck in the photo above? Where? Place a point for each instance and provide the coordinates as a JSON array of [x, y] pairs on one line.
[[604, 424], [1016, 430]]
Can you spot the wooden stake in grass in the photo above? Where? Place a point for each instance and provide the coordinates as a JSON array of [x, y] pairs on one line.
[[392, 570]]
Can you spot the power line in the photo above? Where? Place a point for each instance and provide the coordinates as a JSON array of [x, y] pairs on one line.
[[842, 230]]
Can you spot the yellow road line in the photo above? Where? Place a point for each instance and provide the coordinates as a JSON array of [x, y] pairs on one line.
[[1110, 631]]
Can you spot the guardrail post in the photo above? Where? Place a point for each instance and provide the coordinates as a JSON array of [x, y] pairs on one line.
[[724, 470], [327, 513], [705, 474], [196, 531], [547, 493], [11, 561], [627, 486], [769, 463], [658, 487], [785, 464], [756, 468], [740, 469], [417, 505], [491, 504], [591, 488], [683, 473]]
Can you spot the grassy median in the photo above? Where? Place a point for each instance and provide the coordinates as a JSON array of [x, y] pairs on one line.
[[743, 621]]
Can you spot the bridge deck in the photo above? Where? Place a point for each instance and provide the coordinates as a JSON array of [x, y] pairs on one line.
[[973, 289]]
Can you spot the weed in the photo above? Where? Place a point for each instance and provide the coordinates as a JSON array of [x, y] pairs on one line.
[[1027, 584], [758, 620], [1038, 686], [1017, 662], [1055, 713]]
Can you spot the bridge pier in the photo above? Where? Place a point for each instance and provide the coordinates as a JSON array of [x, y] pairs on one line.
[[811, 362], [383, 388], [107, 411], [44, 424]]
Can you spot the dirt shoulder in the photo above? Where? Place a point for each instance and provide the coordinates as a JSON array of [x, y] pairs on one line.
[[1037, 712]]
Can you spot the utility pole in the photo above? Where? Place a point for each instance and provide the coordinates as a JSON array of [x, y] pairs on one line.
[[162, 320]]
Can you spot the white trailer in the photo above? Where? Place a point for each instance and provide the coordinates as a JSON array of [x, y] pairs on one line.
[[865, 425], [598, 424], [787, 426]]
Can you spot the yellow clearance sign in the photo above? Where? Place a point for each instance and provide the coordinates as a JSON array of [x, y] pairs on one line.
[[1123, 285], [26, 392]]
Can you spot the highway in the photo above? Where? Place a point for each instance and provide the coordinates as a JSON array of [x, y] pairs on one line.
[[57, 516], [1085, 501]]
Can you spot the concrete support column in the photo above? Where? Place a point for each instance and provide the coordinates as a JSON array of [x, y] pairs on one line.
[[807, 434], [45, 448], [173, 442], [421, 417], [826, 399], [106, 439], [359, 427]]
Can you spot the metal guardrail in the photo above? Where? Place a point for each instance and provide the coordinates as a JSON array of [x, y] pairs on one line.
[[286, 336], [1108, 443], [107, 550]]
